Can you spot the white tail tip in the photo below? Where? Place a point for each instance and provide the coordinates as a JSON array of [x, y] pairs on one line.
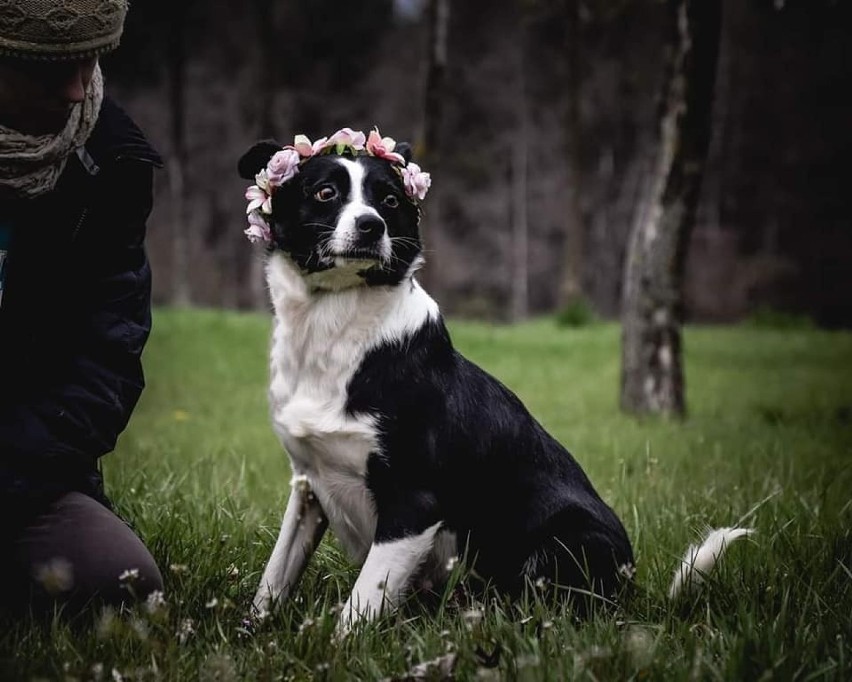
[[699, 560]]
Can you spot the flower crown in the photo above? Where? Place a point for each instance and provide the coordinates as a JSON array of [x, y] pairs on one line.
[[284, 165]]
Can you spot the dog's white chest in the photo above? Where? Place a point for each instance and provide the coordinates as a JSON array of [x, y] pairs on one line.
[[331, 448], [318, 345]]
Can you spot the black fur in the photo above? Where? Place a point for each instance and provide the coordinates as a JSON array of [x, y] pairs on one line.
[[459, 446], [456, 445], [302, 226]]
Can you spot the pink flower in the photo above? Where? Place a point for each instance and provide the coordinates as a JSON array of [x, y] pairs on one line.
[[346, 137], [383, 147], [258, 230], [282, 166], [258, 198], [416, 182], [306, 148], [303, 145]]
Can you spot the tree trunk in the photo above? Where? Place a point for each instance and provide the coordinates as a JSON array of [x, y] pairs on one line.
[[571, 284], [428, 146], [652, 379], [181, 293], [267, 21], [519, 299], [436, 73]]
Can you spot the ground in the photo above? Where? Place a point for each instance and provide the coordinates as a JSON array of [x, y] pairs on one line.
[[768, 442]]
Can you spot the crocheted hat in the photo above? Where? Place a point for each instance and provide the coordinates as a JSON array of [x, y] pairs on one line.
[[60, 29]]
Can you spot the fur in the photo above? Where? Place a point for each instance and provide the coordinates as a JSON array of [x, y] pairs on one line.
[[406, 450], [700, 560]]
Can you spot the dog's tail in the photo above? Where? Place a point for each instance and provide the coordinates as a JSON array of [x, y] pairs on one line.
[[699, 560]]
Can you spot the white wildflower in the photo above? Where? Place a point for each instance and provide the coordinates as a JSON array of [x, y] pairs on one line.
[[155, 602], [627, 570], [186, 629], [640, 644], [140, 628], [130, 575], [106, 623], [55, 575], [472, 617]]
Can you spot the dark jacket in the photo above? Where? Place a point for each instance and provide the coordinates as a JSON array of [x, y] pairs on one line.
[[74, 317]]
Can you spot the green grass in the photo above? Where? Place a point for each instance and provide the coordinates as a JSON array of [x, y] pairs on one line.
[[202, 477]]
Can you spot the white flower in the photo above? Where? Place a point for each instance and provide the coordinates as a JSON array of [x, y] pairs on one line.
[[56, 575], [627, 570], [155, 602], [472, 617], [129, 575], [185, 630], [258, 197]]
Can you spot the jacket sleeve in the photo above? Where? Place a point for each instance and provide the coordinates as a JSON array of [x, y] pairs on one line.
[[59, 434]]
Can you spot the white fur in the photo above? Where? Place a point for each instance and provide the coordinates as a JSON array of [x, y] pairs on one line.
[[700, 560], [387, 573], [318, 343], [301, 531], [345, 233]]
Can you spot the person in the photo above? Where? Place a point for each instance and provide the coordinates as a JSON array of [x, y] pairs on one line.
[[75, 193]]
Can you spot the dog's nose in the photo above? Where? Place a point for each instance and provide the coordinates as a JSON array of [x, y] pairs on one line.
[[369, 227]]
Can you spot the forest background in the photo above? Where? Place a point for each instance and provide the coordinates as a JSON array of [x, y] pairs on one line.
[[537, 121]]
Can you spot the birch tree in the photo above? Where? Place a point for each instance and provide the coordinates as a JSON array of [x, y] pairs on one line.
[[652, 377]]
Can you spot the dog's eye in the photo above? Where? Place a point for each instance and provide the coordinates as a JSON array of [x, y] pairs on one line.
[[326, 193], [390, 201]]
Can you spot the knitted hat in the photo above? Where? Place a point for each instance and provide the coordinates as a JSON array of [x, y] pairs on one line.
[[60, 29]]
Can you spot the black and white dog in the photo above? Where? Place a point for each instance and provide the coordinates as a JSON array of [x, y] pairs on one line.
[[411, 453]]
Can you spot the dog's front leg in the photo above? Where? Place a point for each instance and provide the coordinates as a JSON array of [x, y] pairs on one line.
[[301, 531], [386, 574]]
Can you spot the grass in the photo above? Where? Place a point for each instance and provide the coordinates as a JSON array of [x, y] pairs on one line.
[[203, 479]]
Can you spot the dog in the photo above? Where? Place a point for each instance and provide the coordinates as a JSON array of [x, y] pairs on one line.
[[409, 452]]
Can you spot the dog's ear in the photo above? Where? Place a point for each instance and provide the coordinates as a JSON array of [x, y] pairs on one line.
[[404, 149], [256, 158]]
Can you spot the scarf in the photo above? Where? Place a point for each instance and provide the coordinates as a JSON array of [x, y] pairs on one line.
[[31, 165]]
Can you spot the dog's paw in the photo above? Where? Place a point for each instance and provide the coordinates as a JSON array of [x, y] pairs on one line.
[[261, 606]]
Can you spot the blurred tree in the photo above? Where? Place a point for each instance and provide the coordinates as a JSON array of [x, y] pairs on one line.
[[652, 378], [178, 160], [519, 301], [427, 147], [571, 285]]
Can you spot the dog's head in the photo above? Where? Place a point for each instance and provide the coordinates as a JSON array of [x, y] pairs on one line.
[[349, 212]]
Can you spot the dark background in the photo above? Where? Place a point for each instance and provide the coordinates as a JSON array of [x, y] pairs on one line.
[[546, 142]]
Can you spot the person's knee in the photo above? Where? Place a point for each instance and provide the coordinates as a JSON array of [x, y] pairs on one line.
[[79, 553], [128, 576]]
